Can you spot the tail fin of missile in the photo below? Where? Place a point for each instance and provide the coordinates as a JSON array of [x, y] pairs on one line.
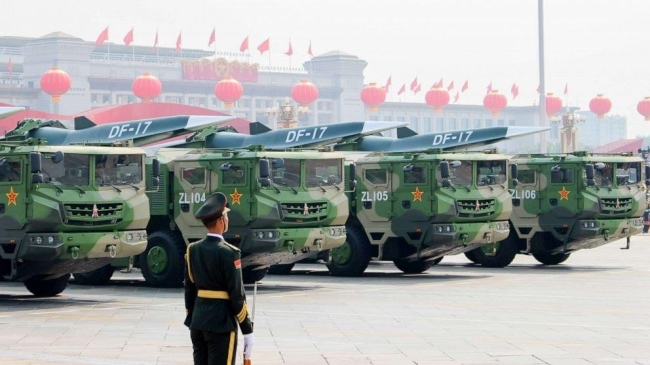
[[403, 132], [258, 128], [83, 123]]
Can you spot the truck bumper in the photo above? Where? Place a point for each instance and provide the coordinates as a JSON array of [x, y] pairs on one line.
[[591, 233], [455, 238]]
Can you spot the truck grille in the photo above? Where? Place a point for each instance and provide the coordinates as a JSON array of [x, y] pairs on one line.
[[615, 205], [303, 212], [92, 214], [474, 208]]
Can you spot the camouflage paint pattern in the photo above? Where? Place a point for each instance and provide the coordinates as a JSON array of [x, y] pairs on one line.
[[562, 214], [50, 231]]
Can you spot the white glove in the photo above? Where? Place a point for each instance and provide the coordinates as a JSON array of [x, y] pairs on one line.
[[249, 341]]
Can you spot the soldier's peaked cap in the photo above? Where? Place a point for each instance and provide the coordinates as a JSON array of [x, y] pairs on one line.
[[215, 206]]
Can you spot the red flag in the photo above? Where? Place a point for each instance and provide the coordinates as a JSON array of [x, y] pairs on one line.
[[456, 97], [451, 86], [414, 83], [155, 41], [401, 90], [566, 88], [264, 46], [388, 83], [213, 37], [179, 42], [309, 52], [289, 52], [128, 38], [439, 83], [244, 45], [103, 37], [489, 88], [514, 89], [417, 89], [465, 86]]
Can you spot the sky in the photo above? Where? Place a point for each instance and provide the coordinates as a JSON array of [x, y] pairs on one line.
[[591, 46]]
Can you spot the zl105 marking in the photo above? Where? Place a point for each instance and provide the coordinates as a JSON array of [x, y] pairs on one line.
[[370, 196], [523, 194], [316, 133], [117, 130], [456, 137], [187, 198]]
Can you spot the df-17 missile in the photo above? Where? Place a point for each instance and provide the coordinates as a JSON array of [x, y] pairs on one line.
[[282, 139], [6, 111], [459, 139], [141, 132]]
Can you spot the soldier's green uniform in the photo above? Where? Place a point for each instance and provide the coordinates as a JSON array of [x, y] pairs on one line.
[[214, 292]]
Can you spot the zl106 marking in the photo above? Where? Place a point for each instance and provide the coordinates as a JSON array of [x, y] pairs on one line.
[[456, 137], [523, 194], [370, 196], [117, 130], [316, 133], [187, 198]]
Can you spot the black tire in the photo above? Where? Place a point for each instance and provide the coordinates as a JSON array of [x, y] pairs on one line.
[[283, 269], [162, 263], [551, 259], [46, 288], [353, 257], [413, 267], [437, 261], [250, 276], [471, 256], [506, 252], [101, 276]]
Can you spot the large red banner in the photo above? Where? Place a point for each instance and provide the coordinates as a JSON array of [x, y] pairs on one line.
[[218, 69]]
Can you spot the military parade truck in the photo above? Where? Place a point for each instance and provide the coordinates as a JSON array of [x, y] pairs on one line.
[[414, 208], [567, 202], [68, 209], [285, 206]]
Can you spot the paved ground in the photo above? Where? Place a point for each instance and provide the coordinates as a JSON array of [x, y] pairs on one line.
[[594, 309]]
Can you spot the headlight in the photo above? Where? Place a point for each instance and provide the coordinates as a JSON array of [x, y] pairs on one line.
[[39, 240], [270, 235], [448, 228], [129, 237], [592, 224], [440, 229], [584, 224], [50, 239], [260, 235]]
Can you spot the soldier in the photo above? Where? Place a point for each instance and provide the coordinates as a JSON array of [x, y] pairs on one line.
[[215, 300]]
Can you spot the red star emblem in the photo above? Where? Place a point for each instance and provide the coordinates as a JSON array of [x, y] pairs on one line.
[[564, 194], [417, 194], [236, 197], [11, 196]]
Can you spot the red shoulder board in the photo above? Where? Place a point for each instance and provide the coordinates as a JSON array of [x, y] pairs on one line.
[[237, 264]]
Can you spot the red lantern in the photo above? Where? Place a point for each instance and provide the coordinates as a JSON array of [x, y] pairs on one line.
[[228, 90], [600, 105], [304, 93], [147, 87], [495, 102], [373, 96], [553, 104], [437, 98], [643, 107], [55, 82]]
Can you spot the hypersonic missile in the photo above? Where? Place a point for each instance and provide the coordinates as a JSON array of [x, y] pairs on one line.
[[6, 111], [141, 132], [459, 139]]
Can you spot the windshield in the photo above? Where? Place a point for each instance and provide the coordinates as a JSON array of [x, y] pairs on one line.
[[491, 172], [603, 176], [628, 173], [73, 170], [323, 172], [289, 174], [460, 175], [118, 169]]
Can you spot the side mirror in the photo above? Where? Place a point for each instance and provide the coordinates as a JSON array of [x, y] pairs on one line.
[[353, 176], [446, 183], [277, 163], [265, 169], [38, 178], [57, 157], [265, 182], [647, 173], [155, 167], [589, 171], [444, 170], [514, 172], [155, 182], [35, 162]]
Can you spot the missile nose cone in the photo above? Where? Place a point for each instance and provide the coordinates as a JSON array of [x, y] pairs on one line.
[[522, 131], [198, 122], [7, 111]]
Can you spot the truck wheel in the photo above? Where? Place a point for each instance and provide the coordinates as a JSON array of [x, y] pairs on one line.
[[353, 257], [471, 256], [505, 253], [250, 276], [551, 259], [283, 269], [46, 288], [437, 261], [413, 267], [101, 276], [162, 263]]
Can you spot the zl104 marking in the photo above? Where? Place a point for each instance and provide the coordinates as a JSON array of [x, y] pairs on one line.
[[370, 196], [316, 133], [118, 131], [187, 198], [523, 194], [456, 137]]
